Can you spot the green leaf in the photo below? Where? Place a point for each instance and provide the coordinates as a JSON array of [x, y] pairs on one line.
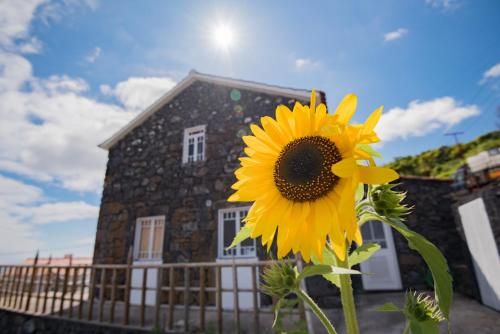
[[323, 269], [435, 261], [243, 234], [363, 253], [387, 307], [329, 259], [424, 327], [368, 149], [360, 192]]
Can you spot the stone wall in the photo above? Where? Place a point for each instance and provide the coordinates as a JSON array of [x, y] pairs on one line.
[[145, 175]]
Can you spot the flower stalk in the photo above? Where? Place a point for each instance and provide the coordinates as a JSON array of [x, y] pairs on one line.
[[347, 299], [317, 311]]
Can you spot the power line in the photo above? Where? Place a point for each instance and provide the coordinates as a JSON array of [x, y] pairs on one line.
[[455, 135]]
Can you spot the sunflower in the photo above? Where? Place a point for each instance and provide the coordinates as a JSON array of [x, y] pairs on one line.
[[301, 171]]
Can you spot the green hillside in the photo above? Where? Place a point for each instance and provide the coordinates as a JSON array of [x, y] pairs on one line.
[[442, 162]]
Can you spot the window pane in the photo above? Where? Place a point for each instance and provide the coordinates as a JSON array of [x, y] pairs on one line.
[[366, 231], [378, 230], [158, 238], [144, 239], [229, 232], [199, 150], [191, 148]]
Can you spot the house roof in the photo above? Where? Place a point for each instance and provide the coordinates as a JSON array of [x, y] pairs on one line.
[[192, 77]]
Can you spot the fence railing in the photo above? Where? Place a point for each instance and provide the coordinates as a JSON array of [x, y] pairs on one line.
[[173, 297]]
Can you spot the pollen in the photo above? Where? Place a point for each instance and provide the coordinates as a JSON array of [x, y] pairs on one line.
[[303, 169]]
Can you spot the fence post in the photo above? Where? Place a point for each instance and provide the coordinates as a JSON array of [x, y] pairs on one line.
[[102, 293], [202, 298], [236, 301], [255, 299], [64, 290], [218, 296], [56, 287], [159, 278], [39, 289], [46, 290], [128, 280], [171, 297], [93, 271], [113, 297], [143, 293], [186, 299], [82, 291], [72, 292]]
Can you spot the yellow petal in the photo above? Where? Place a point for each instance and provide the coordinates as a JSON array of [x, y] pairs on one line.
[[283, 117], [372, 121], [376, 175], [258, 145], [346, 108], [345, 168]]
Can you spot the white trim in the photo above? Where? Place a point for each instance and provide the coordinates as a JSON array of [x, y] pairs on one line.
[[220, 235], [196, 76], [185, 146]]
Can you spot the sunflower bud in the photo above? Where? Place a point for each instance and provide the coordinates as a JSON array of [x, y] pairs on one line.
[[280, 279], [422, 308], [387, 202]]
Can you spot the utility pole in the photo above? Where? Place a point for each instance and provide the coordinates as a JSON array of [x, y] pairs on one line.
[[455, 135]]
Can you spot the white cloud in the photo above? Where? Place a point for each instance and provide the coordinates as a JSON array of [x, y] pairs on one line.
[[305, 64], [445, 5], [138, 93], [62, 212], [50, 132], [85, 241], [492, 72], [32, 45], [396, 34], [423, 117], [92, 57], [22, 205], [15, 19]]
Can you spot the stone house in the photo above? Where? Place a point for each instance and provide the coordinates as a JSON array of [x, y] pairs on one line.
[[169, 174]]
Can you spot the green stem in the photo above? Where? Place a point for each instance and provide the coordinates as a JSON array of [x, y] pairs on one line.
[[315, 308], [346, 296], [407, 328]]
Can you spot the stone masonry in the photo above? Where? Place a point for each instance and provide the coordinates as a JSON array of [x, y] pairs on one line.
[[145, 175]]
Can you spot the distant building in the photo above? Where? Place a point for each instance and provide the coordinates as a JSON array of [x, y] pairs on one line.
[[67, 260]]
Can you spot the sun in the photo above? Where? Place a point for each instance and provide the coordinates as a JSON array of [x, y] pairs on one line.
[[223, 36]]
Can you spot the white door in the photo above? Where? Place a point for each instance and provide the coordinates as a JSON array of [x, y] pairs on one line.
[[383, 266], [230, 222], [483, 249]]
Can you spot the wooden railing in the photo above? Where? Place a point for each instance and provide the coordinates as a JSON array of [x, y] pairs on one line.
[[174, 297]]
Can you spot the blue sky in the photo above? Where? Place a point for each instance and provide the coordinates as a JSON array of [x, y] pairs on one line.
[[72, 72]]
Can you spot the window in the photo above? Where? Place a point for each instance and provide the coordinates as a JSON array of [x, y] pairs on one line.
[[149, 238], [194, 144], [230, 222], [373, 231]]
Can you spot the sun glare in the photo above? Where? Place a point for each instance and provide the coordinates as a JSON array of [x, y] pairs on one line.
[[223, 36]]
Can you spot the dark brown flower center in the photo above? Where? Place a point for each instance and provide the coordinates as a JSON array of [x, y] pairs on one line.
[[303, 170]]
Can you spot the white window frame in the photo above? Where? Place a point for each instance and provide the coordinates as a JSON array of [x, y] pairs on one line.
[[154, 220], [194, 133], [238, 251]]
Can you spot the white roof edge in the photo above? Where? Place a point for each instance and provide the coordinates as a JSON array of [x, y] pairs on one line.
[[197, 76]]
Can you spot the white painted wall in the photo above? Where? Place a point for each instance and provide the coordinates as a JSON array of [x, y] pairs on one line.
[[483, 248]]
